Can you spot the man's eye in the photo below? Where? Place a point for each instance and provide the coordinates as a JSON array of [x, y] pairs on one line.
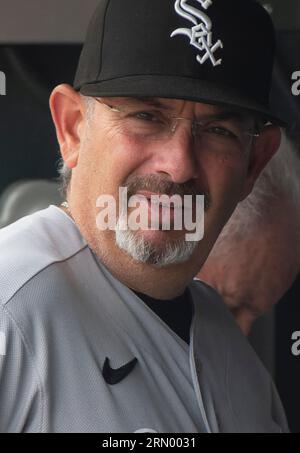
[[146, 116], [222, 131]]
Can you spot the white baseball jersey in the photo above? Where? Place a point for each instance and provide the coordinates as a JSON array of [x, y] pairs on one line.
[[80, 352]]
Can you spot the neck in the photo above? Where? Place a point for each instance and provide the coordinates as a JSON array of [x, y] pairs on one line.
[[157, 283]]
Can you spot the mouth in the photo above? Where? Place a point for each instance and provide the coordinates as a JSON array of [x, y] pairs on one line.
[[165, 212]]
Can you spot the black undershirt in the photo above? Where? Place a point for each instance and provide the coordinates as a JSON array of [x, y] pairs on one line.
[[176, 313]]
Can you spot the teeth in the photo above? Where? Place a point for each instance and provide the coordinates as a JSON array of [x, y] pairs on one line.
[[164, 205], [155, 202]]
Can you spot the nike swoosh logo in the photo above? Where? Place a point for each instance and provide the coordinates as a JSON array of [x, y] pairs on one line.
[[114, 376]]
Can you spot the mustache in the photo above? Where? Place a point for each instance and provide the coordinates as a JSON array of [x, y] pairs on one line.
[[159, 185]]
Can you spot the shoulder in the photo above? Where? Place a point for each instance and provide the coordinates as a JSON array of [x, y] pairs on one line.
[[232, 363], [31, 245], [21, 390], [37, 262], [208, 297]]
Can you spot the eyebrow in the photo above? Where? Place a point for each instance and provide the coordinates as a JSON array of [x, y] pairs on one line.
[[154, 102], [231, 115]]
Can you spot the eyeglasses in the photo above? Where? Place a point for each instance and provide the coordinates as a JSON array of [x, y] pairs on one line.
[[151, 123]]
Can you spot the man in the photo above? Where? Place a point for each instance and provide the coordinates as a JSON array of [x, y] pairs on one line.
[[256, 258], [103, 329]]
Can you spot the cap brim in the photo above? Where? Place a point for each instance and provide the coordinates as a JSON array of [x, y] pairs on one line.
[[177, 88]]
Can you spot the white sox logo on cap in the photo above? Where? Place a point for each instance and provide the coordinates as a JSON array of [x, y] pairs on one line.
[[201, 33]]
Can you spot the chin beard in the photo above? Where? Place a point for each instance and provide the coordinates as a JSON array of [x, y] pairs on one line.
[[145, 251]]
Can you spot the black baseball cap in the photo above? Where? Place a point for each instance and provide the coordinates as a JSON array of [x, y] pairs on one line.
[[211, 51]]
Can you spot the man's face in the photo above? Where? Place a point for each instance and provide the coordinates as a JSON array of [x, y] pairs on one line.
[[136, 144], [141, 150]]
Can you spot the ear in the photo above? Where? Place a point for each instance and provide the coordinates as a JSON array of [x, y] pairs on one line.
[[263, 149], [67, 112]]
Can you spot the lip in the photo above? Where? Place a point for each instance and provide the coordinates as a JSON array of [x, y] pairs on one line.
[[148, 195], [173, 206]]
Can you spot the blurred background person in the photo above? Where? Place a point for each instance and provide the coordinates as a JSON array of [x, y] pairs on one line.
[[257, 256]]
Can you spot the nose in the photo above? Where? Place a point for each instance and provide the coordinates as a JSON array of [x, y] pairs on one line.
[[176, 157]]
